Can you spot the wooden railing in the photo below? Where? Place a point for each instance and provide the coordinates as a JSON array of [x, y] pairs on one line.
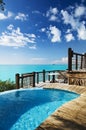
[[25, 79], [76, 61], [31, 79]]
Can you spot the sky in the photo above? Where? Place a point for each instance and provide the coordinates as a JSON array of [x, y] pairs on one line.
[[41, 31]]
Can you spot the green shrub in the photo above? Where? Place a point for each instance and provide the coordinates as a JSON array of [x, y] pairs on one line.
[[7, 85]]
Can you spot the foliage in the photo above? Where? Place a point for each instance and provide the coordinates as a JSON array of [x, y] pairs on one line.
[[2, 5], [7, 85]]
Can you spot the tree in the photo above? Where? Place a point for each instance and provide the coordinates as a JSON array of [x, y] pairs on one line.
[[2, 5]]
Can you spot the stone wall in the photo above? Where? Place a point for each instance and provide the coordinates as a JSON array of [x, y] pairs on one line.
[[77, 78]]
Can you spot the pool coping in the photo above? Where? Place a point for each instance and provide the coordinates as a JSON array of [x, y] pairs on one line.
[[71, 115]]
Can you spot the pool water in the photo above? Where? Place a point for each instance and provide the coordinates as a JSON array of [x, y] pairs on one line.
[[26, 109]]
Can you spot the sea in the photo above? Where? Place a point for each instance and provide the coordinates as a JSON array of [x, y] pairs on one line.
[[8, 72]]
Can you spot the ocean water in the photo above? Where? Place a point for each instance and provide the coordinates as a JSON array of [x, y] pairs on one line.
[[8, 71]]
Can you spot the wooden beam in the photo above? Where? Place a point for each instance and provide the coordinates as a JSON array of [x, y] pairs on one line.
[[17, 81], [70, 55]]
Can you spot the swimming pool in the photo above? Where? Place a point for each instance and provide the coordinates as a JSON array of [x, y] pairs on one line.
[[25, 109]]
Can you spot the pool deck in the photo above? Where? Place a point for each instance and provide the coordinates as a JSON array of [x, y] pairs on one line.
[[71, 115]]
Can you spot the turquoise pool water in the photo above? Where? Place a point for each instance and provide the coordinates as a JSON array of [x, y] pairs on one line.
[[25, 109]]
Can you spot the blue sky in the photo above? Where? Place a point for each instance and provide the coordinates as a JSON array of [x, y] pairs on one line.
[[41, 31]]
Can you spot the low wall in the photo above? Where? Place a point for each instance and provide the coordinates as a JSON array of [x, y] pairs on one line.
[[77, 78]]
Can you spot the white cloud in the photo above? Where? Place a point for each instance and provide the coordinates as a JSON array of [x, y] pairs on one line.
[[14, 37], [31, 35], [69, 37], [4, 16], [73, 19], [69, 19], [43, 29], [36, 12], [52, 14], [63, 60], [33, 47], [53, 11], [82, 32], [21, 16], [53, 18], [38, 60], [10, 27], [68, 30], [55, 34], [79, 11], [9, 14], [65, 16]]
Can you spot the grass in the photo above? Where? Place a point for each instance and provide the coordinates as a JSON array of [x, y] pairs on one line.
[[7, 85]]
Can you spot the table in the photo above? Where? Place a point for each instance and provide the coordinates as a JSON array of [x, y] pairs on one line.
[[53, 77]]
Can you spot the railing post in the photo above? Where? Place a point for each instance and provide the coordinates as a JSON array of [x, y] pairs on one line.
[[22, 81], [85, 60], [81, 62], [37, 77], [33, 79], [76, 62], [70, 55], [49, 76], [43, 75], [17, 81]]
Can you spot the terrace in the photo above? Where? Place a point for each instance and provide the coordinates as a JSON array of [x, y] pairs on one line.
[[72, 115], [75, 75]]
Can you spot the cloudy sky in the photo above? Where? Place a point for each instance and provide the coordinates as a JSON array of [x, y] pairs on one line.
[[41, 31]]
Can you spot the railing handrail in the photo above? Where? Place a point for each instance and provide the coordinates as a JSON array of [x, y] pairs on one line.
[[33, 74], [82, 59]]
